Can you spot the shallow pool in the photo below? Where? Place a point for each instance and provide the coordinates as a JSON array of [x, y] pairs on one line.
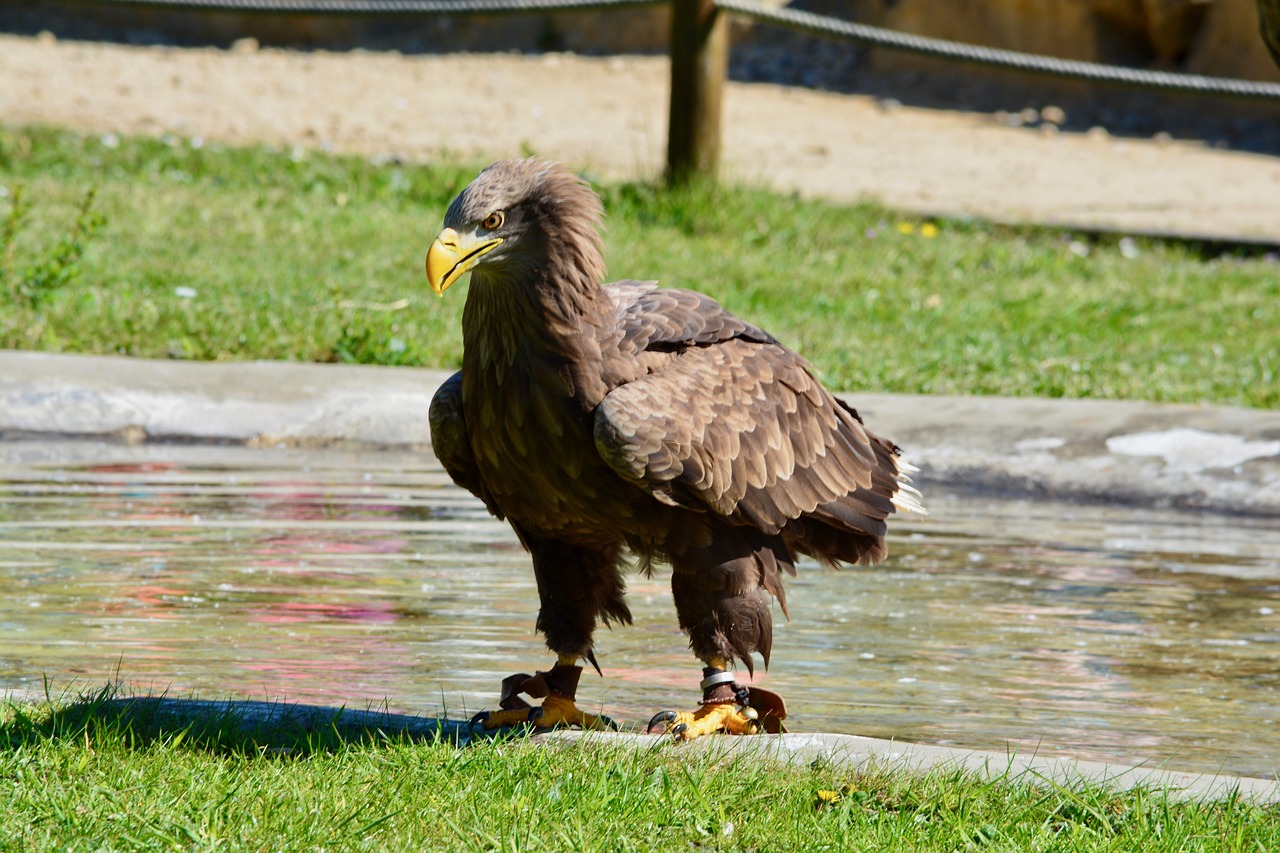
[[368, 579]]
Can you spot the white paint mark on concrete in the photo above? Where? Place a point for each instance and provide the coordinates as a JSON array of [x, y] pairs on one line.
[[1192, 450], [1039, 445]]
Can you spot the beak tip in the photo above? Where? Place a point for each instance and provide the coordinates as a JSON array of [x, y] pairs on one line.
[[449, 259]]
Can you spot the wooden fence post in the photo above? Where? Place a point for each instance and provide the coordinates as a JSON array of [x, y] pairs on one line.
[[699, 63], [1269, 25]]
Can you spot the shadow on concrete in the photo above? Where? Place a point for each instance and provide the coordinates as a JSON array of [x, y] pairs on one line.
[[222, 726], [285, 730]]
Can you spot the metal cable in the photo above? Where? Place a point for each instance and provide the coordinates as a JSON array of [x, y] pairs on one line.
[[939, 48], [386, 7]]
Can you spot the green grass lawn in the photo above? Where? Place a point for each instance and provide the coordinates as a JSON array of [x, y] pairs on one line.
[[79, 776], [219, 253]]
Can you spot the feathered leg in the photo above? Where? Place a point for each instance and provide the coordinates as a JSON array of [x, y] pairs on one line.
[[577, 587], [722, 596]]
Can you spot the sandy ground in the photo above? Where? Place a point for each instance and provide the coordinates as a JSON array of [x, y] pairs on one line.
[[608, 115]]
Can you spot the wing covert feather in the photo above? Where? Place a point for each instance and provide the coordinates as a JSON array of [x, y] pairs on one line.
[[742, 429], [667, 319]]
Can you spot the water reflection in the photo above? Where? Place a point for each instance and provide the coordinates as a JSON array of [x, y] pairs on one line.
[[357, 580]]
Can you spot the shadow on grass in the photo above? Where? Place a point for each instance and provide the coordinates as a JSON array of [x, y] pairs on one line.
[[222, 726]]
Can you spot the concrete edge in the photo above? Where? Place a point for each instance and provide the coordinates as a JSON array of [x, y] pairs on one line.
[[853, 752], [256, 404], [1213, 458], [868, 754]]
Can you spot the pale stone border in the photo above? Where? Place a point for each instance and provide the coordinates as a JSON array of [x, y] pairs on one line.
[[1189, 457]]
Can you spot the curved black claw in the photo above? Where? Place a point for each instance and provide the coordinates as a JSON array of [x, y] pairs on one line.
[[661, 723], [609, 722], [508, 719]]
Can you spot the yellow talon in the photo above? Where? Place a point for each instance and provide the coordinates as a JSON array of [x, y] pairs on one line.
[[559, 711], [499, 719], [750, 711], [711, 719], [556, 712]]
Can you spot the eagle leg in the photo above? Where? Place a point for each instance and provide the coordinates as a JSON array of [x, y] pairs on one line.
[[556, 688], [725, 707]]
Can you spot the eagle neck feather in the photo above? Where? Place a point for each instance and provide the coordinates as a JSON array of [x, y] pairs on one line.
[[544, 319]]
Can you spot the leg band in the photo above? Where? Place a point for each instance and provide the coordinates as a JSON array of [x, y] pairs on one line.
[[718, 687]]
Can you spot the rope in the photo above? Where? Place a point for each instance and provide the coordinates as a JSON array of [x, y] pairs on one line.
[[939, 48], [386, 7]]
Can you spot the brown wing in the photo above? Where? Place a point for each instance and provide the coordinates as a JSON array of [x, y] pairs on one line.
[[450, 441], [742, 429]]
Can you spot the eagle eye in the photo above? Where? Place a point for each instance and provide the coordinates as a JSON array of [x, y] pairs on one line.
[[494, 221]]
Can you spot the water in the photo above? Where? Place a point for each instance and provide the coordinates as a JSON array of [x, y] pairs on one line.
[[369, 580]]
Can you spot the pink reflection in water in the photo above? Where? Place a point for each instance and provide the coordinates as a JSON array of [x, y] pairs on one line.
[[302, 611]]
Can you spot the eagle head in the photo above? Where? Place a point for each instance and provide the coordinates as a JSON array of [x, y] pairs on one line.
[[516, 219]]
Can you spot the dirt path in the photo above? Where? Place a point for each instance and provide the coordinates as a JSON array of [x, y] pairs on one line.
[[609, 115]]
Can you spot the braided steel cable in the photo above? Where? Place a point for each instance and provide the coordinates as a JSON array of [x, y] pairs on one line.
[[386, 7], [939, 48]]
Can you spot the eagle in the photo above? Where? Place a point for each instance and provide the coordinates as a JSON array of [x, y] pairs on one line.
[[625, 422]]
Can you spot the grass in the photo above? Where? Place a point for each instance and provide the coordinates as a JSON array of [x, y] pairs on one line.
[[93, 774], [201, 252]]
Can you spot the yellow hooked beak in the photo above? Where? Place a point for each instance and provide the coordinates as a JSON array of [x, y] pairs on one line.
[[452, 255]]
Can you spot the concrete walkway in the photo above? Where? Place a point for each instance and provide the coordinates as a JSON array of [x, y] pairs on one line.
[[1189, 457]]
